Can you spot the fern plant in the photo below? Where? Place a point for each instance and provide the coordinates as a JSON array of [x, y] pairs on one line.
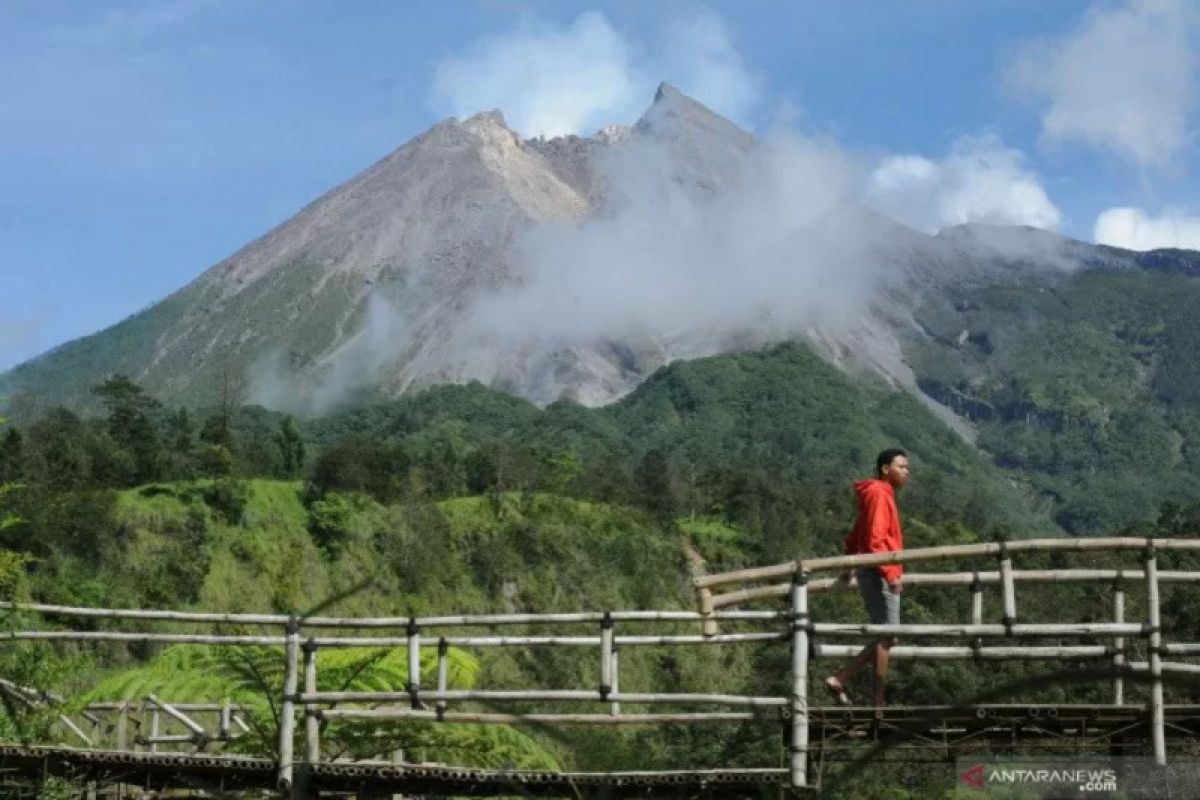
[[252, 677]]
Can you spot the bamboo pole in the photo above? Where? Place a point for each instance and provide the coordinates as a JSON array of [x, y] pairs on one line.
[[287, 708], [195, 707], [538, 718], [704, 599], [614, 708], [951, 653], [443, 673], [1157, 721], [225, 723], [1165, 666], [1008, 597], [146, 614], [988, 629], [547, 641], [606, 651], [70, 725], [462, 620], [312, 725], [980, 550], [549, 695], [414, 663], [1118, 659], [798, 766], [196, 728], [123, 727], [774, 590], [115, 636]]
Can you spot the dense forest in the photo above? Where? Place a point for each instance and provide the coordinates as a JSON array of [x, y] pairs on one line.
[[463, 499]]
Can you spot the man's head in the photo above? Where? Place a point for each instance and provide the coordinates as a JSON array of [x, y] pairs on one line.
[[892, 466]]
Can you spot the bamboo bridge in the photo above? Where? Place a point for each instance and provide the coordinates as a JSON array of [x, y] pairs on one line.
[[158, 743]]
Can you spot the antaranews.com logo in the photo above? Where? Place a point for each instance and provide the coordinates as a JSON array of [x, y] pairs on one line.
[[1044, 778]]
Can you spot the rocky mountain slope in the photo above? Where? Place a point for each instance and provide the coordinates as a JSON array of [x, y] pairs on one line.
[[375, 287]]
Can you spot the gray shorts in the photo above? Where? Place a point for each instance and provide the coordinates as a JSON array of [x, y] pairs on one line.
[[883, 604]]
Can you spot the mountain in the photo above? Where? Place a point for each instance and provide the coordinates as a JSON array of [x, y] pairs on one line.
[[360, 289], [376, 288]]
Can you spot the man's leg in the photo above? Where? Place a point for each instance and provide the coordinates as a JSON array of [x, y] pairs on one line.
[[865, 656], [882, 653], [891, 600]]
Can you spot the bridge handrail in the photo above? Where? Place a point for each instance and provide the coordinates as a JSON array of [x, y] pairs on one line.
[[301, 700], [954, 551]]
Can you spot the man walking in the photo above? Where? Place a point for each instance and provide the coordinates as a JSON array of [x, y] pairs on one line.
[[876, 530]]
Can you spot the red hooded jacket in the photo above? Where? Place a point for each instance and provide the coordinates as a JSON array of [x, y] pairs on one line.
[[877, 529]]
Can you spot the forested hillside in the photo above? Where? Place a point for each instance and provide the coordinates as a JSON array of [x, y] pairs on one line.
[[466, 499]]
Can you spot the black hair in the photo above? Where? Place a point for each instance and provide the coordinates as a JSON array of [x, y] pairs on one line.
[[887, 457]]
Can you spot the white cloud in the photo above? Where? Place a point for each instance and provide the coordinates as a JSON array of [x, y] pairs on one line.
[[702, 61], [1124, 81], [551, 80], [1133, 229], [980, 181]]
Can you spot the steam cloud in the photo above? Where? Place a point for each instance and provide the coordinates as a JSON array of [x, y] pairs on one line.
[[774, 250]]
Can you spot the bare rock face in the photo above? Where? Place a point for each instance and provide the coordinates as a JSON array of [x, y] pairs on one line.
[[367, 291]]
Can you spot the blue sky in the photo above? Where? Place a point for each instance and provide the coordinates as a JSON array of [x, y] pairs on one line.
[[143, 141]]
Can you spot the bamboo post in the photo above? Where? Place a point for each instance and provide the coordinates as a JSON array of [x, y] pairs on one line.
[[443, 674], [225, 723], [977, 609], [312, 725], [976, 601], [1118, 659], [1008, 588], [799, 704], [123, 727], [154, 723], [704, 599], [1157, 716], [287, 708], [606, 657], [615, 707], [414, 662]]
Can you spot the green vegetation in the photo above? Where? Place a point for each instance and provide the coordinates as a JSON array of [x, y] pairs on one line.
[[464, 499], [1086, 388]]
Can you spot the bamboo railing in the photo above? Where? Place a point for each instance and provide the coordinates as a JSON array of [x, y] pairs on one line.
[[608, 701]]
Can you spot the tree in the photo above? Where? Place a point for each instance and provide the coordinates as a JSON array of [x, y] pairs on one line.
[[180, 435], [9, 466], [131, 426], [291, 446], [231, 394]]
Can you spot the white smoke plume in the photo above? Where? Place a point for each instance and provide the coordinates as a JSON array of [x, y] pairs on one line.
[[774, 250]]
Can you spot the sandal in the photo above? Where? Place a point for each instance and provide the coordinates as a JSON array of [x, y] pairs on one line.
[[838, 691]]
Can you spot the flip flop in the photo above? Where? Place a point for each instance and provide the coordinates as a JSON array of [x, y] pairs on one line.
[[837, 690]]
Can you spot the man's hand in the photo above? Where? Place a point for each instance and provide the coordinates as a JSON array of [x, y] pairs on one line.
[[897, 586], [848, 577]]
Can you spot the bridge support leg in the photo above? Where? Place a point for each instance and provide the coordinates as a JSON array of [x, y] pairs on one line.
[[287, 707], [1157, 720], [798, 765]]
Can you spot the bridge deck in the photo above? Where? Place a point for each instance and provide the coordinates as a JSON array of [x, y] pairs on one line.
[[836, 729]]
